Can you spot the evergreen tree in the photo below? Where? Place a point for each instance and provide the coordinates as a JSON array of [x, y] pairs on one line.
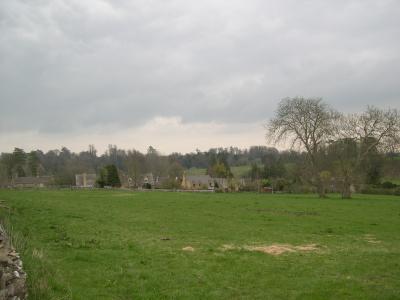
[[112, 176], [33, 163], [109, 177], [101, 180], [18, 161]]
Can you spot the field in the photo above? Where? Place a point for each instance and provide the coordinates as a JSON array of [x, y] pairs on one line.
[[154, 245]]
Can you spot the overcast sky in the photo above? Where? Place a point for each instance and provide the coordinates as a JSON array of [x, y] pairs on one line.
[[185, 74]]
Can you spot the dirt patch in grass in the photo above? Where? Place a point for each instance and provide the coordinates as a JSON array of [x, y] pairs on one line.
[[370, 238], [281, 212], [310, 247], [279, 249], [188, 249], [228, 247], [274, 249]]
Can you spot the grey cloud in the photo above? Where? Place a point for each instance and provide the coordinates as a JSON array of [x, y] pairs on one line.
[[68, 65]]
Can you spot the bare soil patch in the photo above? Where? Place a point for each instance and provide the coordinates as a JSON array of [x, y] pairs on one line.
[[370, 238], [188, 248], [228, 247], [274, 249]]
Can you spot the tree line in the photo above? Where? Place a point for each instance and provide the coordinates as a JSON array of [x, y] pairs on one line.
[[343, 146], [328, 151], [63, 164]]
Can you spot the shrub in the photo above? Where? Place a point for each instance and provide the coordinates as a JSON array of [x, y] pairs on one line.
[[388, 185], [380, 191], [397, 191], [170, 183], [147, 186]]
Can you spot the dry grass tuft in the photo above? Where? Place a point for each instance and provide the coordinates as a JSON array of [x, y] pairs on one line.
[[37, 253]]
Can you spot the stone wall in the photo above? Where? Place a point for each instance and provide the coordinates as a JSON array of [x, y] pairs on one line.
[[12, 276]]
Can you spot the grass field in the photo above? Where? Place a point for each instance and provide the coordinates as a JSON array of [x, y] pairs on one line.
[[121, 245]]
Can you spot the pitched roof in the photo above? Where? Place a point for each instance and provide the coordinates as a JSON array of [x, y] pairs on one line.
[[33, 180], [88, 176], [199, 178]]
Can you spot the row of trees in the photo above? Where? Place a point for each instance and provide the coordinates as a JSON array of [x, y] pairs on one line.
[[326, 148], [63, 164], [20, 163], [335, 144], [283, 170]]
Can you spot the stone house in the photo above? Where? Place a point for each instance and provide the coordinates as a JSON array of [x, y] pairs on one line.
[[197, 182], [85, 180], [32, 182], [149, 179], [153, 181]]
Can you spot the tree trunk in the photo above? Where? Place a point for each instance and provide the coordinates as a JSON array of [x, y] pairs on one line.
[[321, 193], [346, 189], [321, 189]]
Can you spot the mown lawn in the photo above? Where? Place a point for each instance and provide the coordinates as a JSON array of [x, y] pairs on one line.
[[121, 245]]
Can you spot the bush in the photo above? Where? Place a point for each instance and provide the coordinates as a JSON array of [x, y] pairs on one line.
[[170, 184], [280, 184], [388, 185], [146, 186], [380, 191], [249, 187]]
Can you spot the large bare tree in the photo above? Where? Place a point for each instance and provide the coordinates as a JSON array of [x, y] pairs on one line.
[[361, 134], [308, 123]]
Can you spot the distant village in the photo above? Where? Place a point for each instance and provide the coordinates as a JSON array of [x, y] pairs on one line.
[[147, 182], [221, 169], [258, 168]]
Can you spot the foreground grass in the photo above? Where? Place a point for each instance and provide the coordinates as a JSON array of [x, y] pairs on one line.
[[119, 245]]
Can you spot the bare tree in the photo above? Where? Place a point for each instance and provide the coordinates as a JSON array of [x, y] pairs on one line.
[[308, 123], [373, 130], [136, 166]]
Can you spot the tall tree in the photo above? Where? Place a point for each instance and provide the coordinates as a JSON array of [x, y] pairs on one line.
[[135, 165], [308, 123], [112, 176], [109, 177], [370, 132], [33, 163], [19, 160], [8, 163]]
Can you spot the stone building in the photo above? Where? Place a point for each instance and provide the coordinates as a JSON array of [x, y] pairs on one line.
[[197, 182], [85, 180], [32, 182]]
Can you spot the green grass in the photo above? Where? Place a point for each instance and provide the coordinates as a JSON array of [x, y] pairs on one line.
[[109, 245]]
